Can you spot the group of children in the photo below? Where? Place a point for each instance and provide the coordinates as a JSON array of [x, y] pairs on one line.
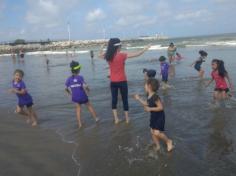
[[77, 88]]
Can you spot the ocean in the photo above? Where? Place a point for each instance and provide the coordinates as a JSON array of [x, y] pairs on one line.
[[204, 136]]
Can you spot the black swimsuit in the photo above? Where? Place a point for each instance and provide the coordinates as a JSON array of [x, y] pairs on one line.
[[157, 120], [198, 63]]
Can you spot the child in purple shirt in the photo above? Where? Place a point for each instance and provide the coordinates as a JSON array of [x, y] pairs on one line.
[[77, 89], [24, 98], [164, 72]]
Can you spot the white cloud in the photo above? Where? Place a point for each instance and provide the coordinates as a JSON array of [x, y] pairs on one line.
[[48, 13], [201, 15], [95, 15]]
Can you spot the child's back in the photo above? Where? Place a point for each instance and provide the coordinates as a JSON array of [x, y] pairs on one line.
[[75, 83]]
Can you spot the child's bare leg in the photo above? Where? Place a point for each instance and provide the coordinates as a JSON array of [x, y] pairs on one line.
[[155, 140], [32, 116], [115, 114], [92, 111], [78, 114], [201, 74], [163, 137], [21, 111]]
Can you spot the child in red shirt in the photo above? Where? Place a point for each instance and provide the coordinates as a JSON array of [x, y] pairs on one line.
[[223, 83]]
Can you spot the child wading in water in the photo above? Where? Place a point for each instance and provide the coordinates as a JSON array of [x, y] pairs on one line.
[[77, 88], [155, 107], [24, 98], [221, 77], [164, 72], [197, 64]]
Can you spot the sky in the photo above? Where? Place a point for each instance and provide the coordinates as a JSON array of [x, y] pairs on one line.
[[96, 19]]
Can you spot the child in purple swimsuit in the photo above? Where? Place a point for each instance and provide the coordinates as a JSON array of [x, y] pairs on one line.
[[24, 98], [164, 72], [77, 88]]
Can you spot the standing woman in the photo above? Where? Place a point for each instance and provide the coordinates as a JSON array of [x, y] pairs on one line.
[[116, 60], [171, 51]]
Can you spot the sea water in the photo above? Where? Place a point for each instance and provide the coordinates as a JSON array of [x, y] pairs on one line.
[[204, 136]]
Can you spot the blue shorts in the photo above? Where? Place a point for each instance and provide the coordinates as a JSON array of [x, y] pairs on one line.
[[28, 105], [197, 67], [165, 78]]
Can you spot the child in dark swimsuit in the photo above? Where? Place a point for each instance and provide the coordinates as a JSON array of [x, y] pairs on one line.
[[155, 107], [197, 64], [77, 88]]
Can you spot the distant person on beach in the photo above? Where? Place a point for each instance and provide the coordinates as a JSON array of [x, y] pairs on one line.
[[171, 51], [24, 98], [78, 90], [22, 54], [164, 72], [198, 63], [116, 60], [91, 54], [149, 73], [46, 59], [178, 57], [156, 109], [223, 83]]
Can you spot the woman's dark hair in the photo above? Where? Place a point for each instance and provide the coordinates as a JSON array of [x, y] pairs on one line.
[[20, 72], [203, 53], [220, 67], [113, 45], [171, 44], [75, 67], [154, 83]]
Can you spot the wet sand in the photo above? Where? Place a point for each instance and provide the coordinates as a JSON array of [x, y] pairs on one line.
[[27, 151]]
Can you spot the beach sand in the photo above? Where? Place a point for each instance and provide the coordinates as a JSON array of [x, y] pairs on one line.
[[27, 151]]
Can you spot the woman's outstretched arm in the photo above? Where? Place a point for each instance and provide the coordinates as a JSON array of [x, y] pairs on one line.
[[139, 53]]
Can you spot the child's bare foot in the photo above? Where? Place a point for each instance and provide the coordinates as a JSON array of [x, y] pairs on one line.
[[170, 146], [117, 121], [97, 119], [80, 125], [34, 124]]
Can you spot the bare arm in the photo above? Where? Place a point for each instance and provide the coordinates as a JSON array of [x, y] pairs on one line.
[[139, 53], [139, 99], [158, 108], [209, 82], [230, 82], [21, 92], [68, 91]]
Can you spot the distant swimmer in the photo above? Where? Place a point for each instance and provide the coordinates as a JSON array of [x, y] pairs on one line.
[[46, 59], [221, 78], [178, 57], [22, 54], [198, 63], [171, 51], [154, 105], [77, 88], [91, 54]]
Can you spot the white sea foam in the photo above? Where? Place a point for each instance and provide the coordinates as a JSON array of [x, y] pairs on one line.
[[153, 47]]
